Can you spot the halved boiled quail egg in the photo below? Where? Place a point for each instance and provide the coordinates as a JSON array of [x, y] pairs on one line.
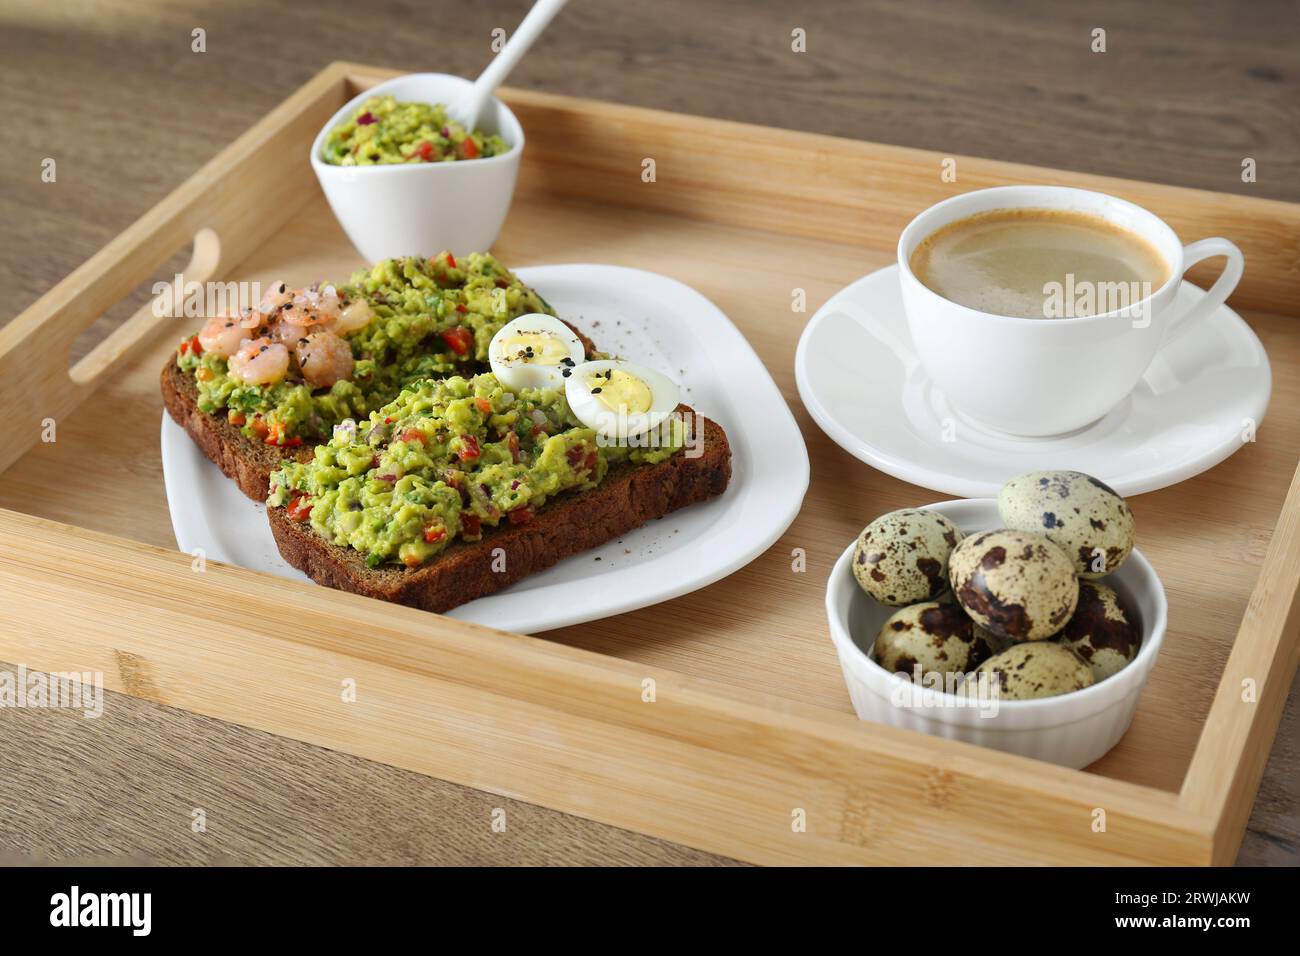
[[533, 351], [618, 399]]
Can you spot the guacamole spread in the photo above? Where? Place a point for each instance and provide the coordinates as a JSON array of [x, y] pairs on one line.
[[429, 318], [442, 461], [286, 413], [384, 131]]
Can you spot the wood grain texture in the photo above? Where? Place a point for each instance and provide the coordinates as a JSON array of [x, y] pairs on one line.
[[938, 94], [719, 767], [772, 646], [123, 788]]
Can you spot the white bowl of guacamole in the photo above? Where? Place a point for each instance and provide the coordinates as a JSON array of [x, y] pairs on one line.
[[391, 209]]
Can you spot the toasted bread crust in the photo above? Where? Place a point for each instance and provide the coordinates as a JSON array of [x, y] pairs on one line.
[[249, 463], [572, 522]]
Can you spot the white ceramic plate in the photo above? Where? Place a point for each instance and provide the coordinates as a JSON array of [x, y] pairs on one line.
[[861, 380], [659, 322]]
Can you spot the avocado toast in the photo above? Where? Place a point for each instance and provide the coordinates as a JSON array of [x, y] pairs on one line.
[[459, 488], [267, 385]]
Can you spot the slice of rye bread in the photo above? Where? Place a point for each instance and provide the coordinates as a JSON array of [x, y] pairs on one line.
[[248, 462], [629, 496]]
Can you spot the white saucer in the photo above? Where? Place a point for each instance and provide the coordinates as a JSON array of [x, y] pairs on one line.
[[861, 380]]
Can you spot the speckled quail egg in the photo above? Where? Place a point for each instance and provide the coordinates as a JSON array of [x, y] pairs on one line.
[[1015, 583], [1100, 631], [983, 636], [937, 636], [902, 556], [1081, 515], [1030, 670], [987, 641]]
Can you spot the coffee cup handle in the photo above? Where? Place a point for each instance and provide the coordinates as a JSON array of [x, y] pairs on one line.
[[1223, 286]]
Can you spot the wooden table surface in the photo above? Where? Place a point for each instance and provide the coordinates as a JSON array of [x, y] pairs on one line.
[[114, 93]]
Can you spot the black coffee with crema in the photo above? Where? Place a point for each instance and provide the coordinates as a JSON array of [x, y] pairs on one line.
[[1039, 263]]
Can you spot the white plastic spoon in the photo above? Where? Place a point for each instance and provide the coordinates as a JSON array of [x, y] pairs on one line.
[[467, 109]]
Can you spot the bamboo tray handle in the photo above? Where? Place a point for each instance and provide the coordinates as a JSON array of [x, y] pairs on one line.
[[35, 347], [204, 261], [225, 225]]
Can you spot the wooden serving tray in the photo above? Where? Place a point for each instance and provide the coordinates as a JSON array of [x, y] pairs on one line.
[[750, 730]]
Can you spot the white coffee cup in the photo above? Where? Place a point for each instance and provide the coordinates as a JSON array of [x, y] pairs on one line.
[[1039, 377]]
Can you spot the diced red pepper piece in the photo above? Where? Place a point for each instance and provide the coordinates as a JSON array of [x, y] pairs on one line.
[[412, 561], [434, 533], [468, 149], [470, 523], [460, 307], [459, 339], [299, 508], [412, 435], [390, 419], [425, 151], [470, 449], [451, 260], [483, 404]]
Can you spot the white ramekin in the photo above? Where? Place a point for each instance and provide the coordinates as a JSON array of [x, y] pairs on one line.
[[421, 209], [1072, 730]]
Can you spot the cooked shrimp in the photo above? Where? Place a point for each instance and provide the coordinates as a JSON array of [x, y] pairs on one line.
[[251, 318], [223, 335], [276, 295], [284, 333], [313, 307], [329, 304], [260, 362], [357, 315], [323, 359]]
